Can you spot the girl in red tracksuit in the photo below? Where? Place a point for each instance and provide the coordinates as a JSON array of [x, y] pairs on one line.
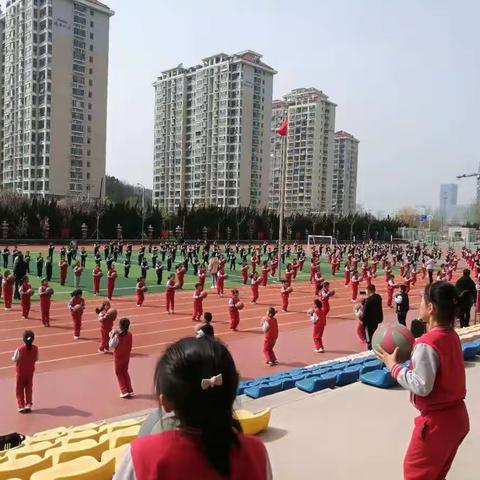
[[221, 276], [208, 444], [25, 358], [63, 266], [77, 306], [355, 282], [111, 277], [198, 297], [254, 285], [313, 270], [274, 266], [346, 274], [202, 273], [26, 293], [140, 289], [288, 274], [244, 272], [285, 292], [325, 295], [45, 293], [317, 317], [121, 343], [270, 330], [234, 306], [8, 282], [106, 317], [97, 275], [319, 280], [295, 267], [265, 270], [170, 293], [181, 275], [390, 289], [435, 378]]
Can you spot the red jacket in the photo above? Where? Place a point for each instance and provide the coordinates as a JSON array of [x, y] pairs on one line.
[[272, 332], [124, 348], [26, 360]]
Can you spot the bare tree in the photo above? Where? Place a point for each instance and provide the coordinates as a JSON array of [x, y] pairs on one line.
[[241, 215]]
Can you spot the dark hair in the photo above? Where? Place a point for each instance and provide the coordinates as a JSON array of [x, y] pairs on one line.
[[76, 292], [271, 312], [198, 285], [139, 278], [466, 272], [371, 288], [178, 376], [28, 338], [444, 296], [317, 303], [403, 288], [124, 324], [207, 316]]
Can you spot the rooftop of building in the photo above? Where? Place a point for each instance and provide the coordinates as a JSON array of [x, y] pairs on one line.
[[309, 95], [344, 134]]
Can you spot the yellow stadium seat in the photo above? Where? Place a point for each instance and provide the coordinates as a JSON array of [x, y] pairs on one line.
[[112, 427], [253, 423], [122, 437], [87, 426], [82, 435], [35, 449], [83, 468], [3, 458], [57, 430], [71, 451], [117, 453], [24, 468], [47, 437]]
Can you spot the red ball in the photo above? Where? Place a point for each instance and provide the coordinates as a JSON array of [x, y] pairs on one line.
[[393, 336]]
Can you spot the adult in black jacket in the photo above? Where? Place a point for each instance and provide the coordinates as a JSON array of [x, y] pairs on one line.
[[468, 294], [403, 305], [372, 313], [19, 271]]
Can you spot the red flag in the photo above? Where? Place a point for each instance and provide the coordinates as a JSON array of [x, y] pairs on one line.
[[282, 130]]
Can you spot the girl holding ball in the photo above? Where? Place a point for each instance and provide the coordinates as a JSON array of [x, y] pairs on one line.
[[270, 329]]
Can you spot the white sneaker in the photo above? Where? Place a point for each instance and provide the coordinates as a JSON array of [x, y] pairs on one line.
[[124, 395], [319, 350], [76, 338], [21, 410]]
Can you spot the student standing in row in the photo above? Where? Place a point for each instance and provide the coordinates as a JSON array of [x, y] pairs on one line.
[[317, 317], [97, 275], [111, 277], [270, 330], [45, 293], [402, 305], [8, 282], [170, 294], [140, 289], [76, 307], [26, 293], [121, 342]]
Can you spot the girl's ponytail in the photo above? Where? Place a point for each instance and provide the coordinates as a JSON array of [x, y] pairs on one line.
[[28, 338]]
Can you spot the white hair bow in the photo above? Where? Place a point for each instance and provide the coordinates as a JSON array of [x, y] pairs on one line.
[[215, 381]]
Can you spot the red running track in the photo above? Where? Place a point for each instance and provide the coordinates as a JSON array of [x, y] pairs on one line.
[[74, 384]]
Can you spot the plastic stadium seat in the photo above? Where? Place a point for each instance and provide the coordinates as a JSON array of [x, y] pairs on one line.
[[258, 391], [83, 468], [470, 351], [117, 454], [81, 435], [315, 384], [253, 423], [371, 365], [27, 450], [87, 426], [24, 468], [3, 458], [84, 448], [112, 427], [58, 430], [47, 437], [378, 378], [121, 437], [288, 383], [348, 375]]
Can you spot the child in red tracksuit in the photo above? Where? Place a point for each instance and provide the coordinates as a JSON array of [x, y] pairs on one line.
[[355, 282], [255, 285], [170, 293], [202, 273], [244, 272], [181, 275], [106, 317], [8, 282], [234, 306], [435, 378], [317, 317], [25, 358], [121, 343], [198, 297], [111, 277], [63, 266], [140, 290], [265, 270], [270, 330], [77, 306], [45, 293], [26, 293], [208, 445], [97, 275], [325, 295], [288, 274], [221, 276], [285, 292]]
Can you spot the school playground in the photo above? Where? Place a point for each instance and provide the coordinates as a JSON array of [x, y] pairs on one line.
[[309, 434]]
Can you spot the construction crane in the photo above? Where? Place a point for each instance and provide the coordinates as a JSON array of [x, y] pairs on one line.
[[469, 175]]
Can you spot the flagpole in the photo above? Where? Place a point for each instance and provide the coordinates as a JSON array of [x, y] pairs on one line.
[[282, 205]]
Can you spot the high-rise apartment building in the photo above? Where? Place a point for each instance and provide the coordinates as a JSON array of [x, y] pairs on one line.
[[212, 133], [345, 170], [448, 198], [54, 96], [310, 150]]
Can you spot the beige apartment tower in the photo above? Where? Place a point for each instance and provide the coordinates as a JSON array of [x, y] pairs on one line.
[[212, 133], [54, 101], [310, 149]]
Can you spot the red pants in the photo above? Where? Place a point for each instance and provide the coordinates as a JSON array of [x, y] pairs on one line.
[[318, 287], [26, 303], [105, 329], [181, 281], [268, 344], [45, 310], [264, 279], [123, 378], [220, 286], [8, 296], [347, 278], [96, 285], [77, 323], [197, 310], [63, 277], [244, 278], [234, 318], [434, 443], [317, 335], [284, 301], [140, 298], [389, 297], [24, 389], [201, 281], [110, 288], [354, 291], [254, 294], [170, 300]]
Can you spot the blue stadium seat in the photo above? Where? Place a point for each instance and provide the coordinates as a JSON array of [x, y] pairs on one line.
[[371, 365], [470, 351], [348, 375], [378, 378], [317, 383], [258, 391]]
